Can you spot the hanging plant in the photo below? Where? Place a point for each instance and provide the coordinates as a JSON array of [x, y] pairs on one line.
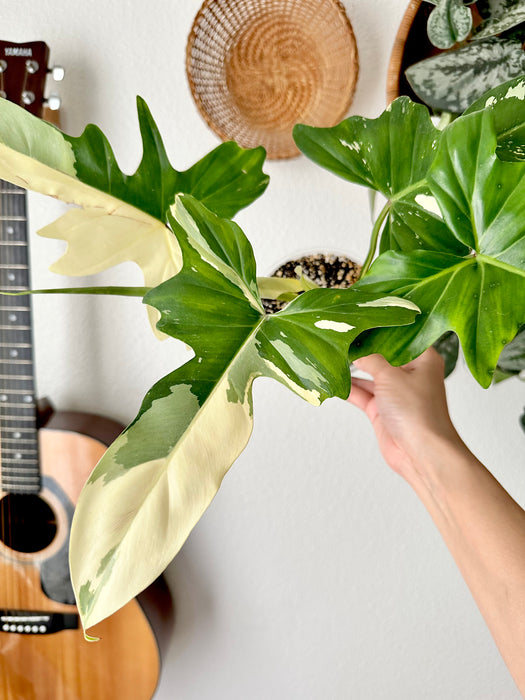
[[487, 56]]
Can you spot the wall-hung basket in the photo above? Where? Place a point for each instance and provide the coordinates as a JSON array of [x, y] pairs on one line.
[[258, 67]]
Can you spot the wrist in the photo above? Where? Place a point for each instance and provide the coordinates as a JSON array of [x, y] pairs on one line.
[[442, 466]]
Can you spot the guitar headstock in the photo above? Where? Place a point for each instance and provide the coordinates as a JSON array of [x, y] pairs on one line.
[[23, 72]]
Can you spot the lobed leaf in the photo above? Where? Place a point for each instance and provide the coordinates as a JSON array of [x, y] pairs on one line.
[[121, 217], [392, 155], [481, 296], [453, 80], [156, 480]]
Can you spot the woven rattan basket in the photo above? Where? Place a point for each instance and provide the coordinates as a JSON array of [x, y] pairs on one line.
[[258, 67]]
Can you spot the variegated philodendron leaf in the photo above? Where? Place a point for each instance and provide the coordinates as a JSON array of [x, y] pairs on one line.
[[156, 480], [499, 16], [449, 22], [120, 217], [453, 80], [392, 155], [480, 296], [506, 104]]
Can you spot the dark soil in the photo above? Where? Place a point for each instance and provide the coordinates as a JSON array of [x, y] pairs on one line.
[[334, 271]]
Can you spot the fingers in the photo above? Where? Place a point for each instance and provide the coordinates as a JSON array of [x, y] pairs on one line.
[[372, 364], [428, 360], [361, 394]]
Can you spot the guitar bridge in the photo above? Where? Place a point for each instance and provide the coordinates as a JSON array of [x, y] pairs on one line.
[[36, 622]]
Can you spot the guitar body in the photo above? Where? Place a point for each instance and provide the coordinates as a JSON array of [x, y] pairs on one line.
[[61, 665]]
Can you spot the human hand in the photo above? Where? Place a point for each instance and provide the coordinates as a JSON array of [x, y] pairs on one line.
[[407, 407]]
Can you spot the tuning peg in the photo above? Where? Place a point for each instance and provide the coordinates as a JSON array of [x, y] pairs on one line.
[[57, 73], [53, 102]]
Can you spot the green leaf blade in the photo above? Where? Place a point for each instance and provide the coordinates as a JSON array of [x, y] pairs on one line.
[[392, 155], [506, 104], [469, 296]]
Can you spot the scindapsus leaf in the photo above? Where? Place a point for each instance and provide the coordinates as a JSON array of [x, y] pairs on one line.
[[481, 296], [392, 155], [156, 480], [449, 22], [453, 80], [499, 16]]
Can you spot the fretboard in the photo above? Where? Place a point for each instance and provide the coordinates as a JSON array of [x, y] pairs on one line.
[[20, 472]]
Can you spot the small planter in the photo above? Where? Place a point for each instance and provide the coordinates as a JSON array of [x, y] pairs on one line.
[[325, 270]]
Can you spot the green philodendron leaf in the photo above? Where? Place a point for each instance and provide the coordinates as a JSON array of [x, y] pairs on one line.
[[392, 155], [499, 16], [120, 217], [156, 480], [449, 22], [506, 104], [481, 297], [453, 80]]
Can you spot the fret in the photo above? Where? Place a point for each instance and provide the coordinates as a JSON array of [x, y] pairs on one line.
[[15, 391], [15, 328], [14, 481], [14, 243], [16, 362], [12, 191], [18, 487]]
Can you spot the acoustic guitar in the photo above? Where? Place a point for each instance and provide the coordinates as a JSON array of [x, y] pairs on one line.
[[45, 457]]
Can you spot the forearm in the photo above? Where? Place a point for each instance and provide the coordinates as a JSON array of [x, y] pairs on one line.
[[484, 529]]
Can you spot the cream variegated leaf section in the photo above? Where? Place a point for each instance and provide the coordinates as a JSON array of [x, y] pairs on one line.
[[97, 240], [104, 230], [119, 217], [150, 508]]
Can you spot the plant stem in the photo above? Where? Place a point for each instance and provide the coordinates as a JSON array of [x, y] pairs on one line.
[[374, 238]]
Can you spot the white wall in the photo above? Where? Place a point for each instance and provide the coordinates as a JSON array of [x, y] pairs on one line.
[[315, 573]]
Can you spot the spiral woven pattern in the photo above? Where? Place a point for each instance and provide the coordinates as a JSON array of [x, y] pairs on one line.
[[258, 67]]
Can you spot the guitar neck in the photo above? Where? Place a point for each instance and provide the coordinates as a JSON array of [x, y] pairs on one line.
[[19, 472]]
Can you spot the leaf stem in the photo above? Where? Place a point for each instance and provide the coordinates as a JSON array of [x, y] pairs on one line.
[[374, 237]]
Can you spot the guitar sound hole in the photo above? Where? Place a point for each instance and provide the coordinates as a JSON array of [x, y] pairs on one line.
[[27, 523]]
